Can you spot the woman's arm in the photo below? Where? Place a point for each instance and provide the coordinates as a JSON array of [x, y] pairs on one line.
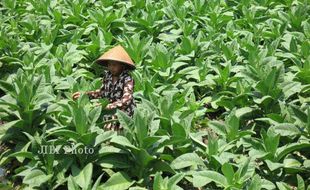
[[126, 98], [94, 94]]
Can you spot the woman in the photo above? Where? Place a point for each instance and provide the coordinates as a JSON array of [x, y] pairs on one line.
[[118, 85]]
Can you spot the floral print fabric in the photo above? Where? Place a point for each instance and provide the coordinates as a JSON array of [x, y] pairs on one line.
[[120, 95]]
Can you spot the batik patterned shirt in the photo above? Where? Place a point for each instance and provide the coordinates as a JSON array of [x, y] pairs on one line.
[[119, 94]]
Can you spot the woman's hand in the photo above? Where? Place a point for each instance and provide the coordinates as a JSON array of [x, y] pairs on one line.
[[76, 95], [110, 107]]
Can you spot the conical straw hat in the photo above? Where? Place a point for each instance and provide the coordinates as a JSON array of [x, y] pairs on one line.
[[117, 53]]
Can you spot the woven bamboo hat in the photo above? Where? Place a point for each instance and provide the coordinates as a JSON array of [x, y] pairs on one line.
[[117, 53]]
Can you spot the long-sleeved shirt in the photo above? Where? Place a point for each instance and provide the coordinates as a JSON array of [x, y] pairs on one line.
[[120, 93]]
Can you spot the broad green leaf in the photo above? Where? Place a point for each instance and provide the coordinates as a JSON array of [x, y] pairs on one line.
[[286, 129], [284, 150], [299, 113], [268, 184], [118, 181], [293, 45], [174, 180], [161, 165], [271, 141], [65, 133], [7, 87], [158, 181], [178, 130], [95, 114], [104, 137], [83, 179], [71, 184], [124, 119], [141, 126], [218, 127], [216, 177], [232, 126], [142, 159], [79, 119], [283, 186], [256, 183], [244, 111], [200, 181], [273, 165], [114, 161], [4, 127], [291, 163], [22, 154], [242, 170], [228, 171], [95, 186], [36, 178], [301, 183], [186, 160], [123, 141]]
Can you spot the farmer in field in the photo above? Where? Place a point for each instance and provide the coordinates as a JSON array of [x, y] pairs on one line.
[[117, 84]]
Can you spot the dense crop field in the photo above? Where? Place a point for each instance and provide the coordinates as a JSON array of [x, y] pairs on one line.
[[222, 88]]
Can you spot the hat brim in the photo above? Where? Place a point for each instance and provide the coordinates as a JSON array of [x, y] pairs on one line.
[[104, 62]]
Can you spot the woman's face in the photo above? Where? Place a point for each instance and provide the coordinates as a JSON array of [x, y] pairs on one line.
[[115, 67]]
